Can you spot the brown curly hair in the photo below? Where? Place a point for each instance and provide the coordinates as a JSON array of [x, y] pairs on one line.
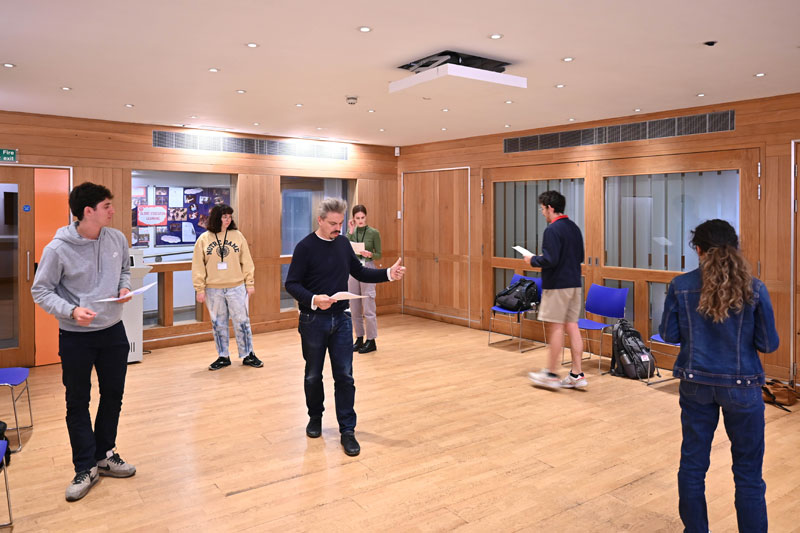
[[727, 282]]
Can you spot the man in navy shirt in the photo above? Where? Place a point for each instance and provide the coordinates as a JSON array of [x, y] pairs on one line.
[[320, 267], [562, 255]]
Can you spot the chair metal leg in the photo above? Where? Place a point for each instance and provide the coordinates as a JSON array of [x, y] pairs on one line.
[[14, 398], [8, 493]]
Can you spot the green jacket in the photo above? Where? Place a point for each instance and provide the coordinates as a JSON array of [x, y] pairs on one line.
[[371, 239]]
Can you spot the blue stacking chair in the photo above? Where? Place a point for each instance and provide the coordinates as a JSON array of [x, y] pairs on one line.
[[11, 378], [4, 466], [604, 301], [518, 314], [657, 338]]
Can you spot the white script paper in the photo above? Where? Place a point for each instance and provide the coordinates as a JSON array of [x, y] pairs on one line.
[[523, 251], [344, 295], [358, 247], [132, 293]]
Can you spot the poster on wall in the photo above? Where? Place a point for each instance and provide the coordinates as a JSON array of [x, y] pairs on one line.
[[187, 212], [140, 237]]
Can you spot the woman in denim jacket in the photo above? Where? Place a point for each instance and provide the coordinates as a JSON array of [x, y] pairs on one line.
[[722, 317]]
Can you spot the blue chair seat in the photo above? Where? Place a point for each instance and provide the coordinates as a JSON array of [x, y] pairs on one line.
[[507, 312], [585, 323], [604, 301], [657, 338], [14, 377]]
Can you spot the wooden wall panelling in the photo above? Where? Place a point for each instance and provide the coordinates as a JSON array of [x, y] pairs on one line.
[[452, 224], [118, 181]]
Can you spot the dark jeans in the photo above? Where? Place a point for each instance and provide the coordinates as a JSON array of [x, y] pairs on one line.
[[107, 351], [334, 333], [743, 414]]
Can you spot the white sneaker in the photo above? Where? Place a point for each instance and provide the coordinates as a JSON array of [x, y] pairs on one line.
[[545, 379], [81, 483], [114, 466], [570, 382]]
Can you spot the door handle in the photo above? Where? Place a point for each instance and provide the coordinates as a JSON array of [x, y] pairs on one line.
[[28, 266]]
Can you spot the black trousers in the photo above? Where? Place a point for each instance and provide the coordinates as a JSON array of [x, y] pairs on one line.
[[107, 351]]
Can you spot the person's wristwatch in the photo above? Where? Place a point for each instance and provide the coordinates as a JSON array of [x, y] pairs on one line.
[[72, 313]]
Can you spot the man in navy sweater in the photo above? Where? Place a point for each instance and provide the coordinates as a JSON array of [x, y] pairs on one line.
[[320, 267], [562, 255]]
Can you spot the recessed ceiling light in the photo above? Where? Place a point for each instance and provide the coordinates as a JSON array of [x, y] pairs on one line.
[[252, 45], [507, 126], [381, 129], [509, 101], [560, 86], [371, 111], [445, 110], [256, 123], [444, 129], [496, 36], [128, 105], [572, 120], [568, 59], [319, 129], [66, 88], [364, 29], [636, 110], [213, 69], [760, 75], [193, 116], [241, 91], [9, 65], [701, 94], [298, 105]]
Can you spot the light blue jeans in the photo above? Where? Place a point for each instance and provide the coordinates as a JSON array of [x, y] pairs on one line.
[[230, 303]]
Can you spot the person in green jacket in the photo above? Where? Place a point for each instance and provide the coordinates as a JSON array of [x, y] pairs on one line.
[[363, 309]]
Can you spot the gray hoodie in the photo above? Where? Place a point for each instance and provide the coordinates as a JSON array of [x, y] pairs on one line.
[[77, 272]]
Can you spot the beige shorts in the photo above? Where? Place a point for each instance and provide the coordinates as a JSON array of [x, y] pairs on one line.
[[560, 305]]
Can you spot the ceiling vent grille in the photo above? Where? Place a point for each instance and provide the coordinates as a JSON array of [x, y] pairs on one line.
[[635, 131], [241, 145]]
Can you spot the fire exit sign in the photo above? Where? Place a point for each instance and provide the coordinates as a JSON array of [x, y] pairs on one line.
[[8, 155]]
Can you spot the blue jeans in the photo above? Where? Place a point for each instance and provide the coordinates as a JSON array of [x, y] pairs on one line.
[[106, 351], [743, 414], [332, 333], [230, 303]]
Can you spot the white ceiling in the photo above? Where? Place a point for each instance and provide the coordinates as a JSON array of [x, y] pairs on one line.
[[155, 54]]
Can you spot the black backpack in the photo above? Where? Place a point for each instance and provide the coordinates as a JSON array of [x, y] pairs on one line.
[[630, 357], [3, 427], [518, 296]]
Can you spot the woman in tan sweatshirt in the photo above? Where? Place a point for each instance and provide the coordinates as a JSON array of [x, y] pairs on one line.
[[222, 275]]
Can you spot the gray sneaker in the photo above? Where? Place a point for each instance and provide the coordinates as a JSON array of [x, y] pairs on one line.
[[114, 466], [81, 483]]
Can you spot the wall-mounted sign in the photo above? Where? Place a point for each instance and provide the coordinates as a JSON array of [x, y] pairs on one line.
[[151, 215], [8, 155], [26, 208]]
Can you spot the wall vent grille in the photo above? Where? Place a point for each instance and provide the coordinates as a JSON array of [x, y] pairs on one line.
[[241, 145], [635, 131]]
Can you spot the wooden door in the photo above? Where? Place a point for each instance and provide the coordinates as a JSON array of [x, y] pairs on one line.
[[436, 244], [16, 266]]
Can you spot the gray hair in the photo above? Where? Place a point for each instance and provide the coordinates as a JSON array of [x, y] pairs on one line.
[[331, 205]]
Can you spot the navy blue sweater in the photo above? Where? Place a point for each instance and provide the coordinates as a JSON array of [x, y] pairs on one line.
[[562, 255], [322, 267]]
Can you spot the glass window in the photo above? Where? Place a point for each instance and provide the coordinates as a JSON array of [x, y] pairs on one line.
[[9, 265], [299, 200], [287, 300], [502, 279], [648, 217], [622, 284], [658, 293], [517, 218], [538, 274]]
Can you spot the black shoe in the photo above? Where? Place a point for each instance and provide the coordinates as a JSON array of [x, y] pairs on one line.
[[358, 344], [368, 346], [350, 444], [314, 427], [219, 363], [252, 360]]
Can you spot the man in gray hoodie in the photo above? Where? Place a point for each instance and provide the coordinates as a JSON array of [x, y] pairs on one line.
[[86, 262]]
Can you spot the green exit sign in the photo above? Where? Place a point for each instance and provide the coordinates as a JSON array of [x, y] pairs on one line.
[[8, 155]]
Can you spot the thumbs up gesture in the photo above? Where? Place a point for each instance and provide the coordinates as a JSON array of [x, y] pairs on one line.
[[396, 272]]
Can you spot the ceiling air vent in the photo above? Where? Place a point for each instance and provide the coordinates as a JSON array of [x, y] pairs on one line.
[[635, 131], [242, 145]]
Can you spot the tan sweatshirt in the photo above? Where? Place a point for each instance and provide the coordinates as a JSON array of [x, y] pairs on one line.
[[206, 258]]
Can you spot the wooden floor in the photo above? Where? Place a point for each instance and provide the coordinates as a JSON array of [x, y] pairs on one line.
[[453, 437]]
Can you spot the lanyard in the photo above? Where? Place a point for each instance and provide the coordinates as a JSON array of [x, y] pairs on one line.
[[221, 249], [363, 235]]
